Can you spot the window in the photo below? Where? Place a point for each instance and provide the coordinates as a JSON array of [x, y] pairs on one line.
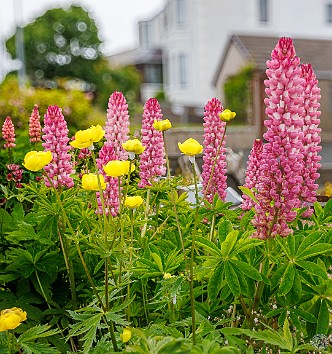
[[180, 11], [153, 74], [329, 13], [263, 11], [144, 33], [183, 70]]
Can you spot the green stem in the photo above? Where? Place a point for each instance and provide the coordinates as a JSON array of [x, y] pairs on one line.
[[146, 212], [130, 253], [192, 297], [167, 159]]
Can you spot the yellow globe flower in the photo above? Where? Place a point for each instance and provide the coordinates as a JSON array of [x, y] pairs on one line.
[[191, 147], [86, 138], [168, 276], [227, 115], [162, 125], [117, 168], [133, 145], [133, 202], [11, 318], [36, 160], [125, 336], [90, 182]]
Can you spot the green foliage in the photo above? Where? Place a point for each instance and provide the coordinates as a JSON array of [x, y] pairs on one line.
[[18, 103], [60, 43], [237, 94]]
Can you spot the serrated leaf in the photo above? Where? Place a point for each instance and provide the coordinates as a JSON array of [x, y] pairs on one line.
[[228, 244], [38, 348], [247, 269], [313, 268], [267, 336], [215, 282], [36, 332], [232, 280], [287, 280]]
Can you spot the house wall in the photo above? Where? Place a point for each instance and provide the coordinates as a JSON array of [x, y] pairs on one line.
[[206, 26], [326, 109]]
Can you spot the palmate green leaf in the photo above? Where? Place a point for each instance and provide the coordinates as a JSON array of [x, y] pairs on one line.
[[320, 249], [224, 228], [319, 211], [215, 282], [38, 348], [208, 246], [308, 242], [232, 280], [228, 244], [249, 193], [36, 332], [323, 318], [6, 221], [158, 261], [305, 315], [245, 243], [88, 327], [313, 268], [287, 280], [243, 281], [294, 295], [247, 269]]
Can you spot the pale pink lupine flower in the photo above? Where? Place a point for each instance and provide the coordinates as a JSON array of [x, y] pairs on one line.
[[152, 160], [117, 124], [56, 140], [111, 192], [34, 126], [214, 155], [280, 177], [252, 173], [8, 133], [311, 144]]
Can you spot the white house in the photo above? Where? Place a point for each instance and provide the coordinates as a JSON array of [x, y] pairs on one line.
[[191, 36]]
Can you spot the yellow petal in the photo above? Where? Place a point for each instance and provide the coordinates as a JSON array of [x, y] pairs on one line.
[[117, 168], [125, 336], [190, 147], [90, 182], [133, 202], [227, 115], [36, 160]]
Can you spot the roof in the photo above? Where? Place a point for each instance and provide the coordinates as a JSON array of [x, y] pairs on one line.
[[137, 56], [257, 50]]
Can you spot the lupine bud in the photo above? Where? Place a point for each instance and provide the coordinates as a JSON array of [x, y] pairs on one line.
[[152, 160], [214, 155], [34, 126], [8, 133]]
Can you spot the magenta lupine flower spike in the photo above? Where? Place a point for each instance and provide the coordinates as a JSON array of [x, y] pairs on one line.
[[252, 173], [311, 144], [280, 177], [34, 126], [152, 160], [111, 192], [117, 124], [56, 140], [214, 157], [8, 133]]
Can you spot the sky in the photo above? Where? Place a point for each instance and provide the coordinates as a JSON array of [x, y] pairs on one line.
[[115, 19]]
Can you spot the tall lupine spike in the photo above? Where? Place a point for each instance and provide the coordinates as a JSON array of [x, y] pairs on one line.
[[311, 137], [8, 133], [56, 140], [111, 193], [152, 160], [117, 124], [280, 177], [252, 174], [214, 155], [34, 126]]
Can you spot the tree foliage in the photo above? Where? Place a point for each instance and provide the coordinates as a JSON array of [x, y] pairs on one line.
[[60, 43]]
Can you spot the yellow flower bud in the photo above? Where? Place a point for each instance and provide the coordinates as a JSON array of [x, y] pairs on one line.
[[85, 138], [11, 318], [90, 182], [227, 115], [133, 145], [133, 202], [36, 160], [125, 336], [117, 168], [162, 125], [191, 147], [168, 276]]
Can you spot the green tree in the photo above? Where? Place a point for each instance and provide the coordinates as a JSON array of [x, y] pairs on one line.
[[60, 43]]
